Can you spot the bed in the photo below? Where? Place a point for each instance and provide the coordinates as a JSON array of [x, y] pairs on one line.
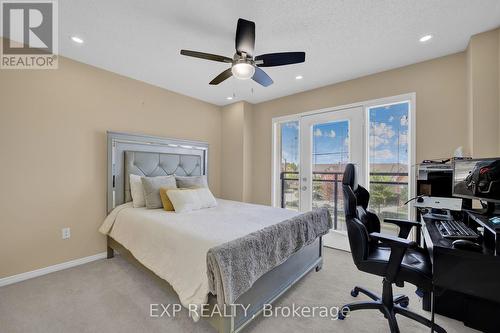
[[162, 242]]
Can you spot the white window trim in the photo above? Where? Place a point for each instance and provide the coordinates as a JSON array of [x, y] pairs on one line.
[[411, 97], [275, 159]]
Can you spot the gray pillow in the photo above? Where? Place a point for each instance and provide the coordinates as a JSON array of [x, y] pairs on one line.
[[152, 187], [191, 181]]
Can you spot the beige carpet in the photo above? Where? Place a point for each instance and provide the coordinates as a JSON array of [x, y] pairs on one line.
[[114, 296]]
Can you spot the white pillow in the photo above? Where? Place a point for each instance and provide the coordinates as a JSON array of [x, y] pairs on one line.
[[191, 181], [188, 200], [137, 191]]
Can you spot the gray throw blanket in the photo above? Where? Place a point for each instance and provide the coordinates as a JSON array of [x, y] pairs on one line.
[[233, 267]]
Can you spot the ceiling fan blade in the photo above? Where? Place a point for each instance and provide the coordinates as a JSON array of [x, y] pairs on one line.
[[280, 59], [261, 77], [206, 56], [222, 77], [245, 37]]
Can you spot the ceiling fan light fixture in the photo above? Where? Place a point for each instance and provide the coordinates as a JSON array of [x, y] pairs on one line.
[[243, 70], [244, 65]]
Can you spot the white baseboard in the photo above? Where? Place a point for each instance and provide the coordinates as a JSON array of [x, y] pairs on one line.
[[46, 270]]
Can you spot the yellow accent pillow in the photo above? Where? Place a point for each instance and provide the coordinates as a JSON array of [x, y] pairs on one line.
[[167, 204]]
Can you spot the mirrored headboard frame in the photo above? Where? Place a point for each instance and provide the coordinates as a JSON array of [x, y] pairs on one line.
[[119, 143]]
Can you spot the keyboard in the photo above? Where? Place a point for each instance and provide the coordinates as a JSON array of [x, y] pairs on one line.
[[455, 230]]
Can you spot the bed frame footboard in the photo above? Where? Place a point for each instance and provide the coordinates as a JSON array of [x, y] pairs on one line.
[[269, 287], [266, 290]]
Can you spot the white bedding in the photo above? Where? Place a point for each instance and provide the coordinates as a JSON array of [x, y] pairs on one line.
[[174, 246]]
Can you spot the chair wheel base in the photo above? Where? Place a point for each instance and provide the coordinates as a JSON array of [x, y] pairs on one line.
[[390, 307], [419, 293]]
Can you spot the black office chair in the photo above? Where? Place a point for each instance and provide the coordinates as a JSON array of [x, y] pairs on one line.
[[396, 259]]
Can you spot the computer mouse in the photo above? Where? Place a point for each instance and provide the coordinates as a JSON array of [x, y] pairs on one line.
[[420, 199], [465, 244]]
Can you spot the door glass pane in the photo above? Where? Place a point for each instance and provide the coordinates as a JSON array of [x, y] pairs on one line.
[[330, 154], [389, 164], [289, 171]]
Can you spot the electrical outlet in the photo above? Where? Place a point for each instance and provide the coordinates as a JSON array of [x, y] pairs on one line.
[[66, 233]]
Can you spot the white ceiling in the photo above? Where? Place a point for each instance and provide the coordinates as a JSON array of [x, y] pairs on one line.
[[342, 39]]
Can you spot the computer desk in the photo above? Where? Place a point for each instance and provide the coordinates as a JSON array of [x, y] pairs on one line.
[[467, 283]]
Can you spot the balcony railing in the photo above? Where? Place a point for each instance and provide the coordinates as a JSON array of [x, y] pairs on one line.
[[329, 183]]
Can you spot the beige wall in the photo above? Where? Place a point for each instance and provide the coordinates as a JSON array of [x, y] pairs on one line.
[[468, 82], [237, 151], [483, 94], [498, 50], [248, 135], [53, 127], [232, 151], [441, 116]]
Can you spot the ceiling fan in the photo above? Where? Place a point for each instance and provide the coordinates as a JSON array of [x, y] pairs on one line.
[[243, 64]]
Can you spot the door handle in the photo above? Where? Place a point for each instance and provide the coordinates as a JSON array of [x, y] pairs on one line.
[[304, 188]]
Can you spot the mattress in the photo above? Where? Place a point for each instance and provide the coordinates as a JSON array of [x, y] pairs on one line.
[[174, 246]]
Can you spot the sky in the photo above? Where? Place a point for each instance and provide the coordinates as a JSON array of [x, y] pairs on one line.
[[331, 143], [389, 134], [290, 142], [387, 138]]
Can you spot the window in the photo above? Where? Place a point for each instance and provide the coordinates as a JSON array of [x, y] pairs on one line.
[[389, 162], [289, 164], [311, 149], [330, 154]]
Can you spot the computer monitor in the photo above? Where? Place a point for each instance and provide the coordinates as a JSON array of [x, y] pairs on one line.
[[477, 179]]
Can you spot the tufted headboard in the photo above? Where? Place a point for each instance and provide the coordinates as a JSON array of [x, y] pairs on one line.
[[149, 156], [159, 164]]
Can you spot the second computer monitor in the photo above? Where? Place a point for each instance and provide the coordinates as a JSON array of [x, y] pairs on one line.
[[477, 179]]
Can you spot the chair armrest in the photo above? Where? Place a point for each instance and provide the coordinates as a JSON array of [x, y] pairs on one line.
[[398, 249], [404, 226], [393, 241], [402, 222]]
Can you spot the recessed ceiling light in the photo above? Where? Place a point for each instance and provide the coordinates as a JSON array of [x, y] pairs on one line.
[[229, 98], [425, 38], [77, 40], [299, 77]]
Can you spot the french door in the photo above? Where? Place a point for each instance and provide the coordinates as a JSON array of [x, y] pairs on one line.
[[328, 142], [310, 151]]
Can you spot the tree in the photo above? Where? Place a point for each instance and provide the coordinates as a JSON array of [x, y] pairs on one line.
[[289, 167], [318, 193], [291, 185], [380, 194]]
